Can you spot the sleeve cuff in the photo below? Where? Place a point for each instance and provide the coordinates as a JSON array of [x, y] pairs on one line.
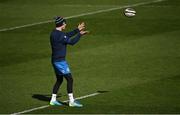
[[79, 35], [77, 30]]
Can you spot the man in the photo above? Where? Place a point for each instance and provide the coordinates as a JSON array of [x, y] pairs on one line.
[[59, 41]]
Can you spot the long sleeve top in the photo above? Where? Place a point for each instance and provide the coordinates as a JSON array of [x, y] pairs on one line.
[[59, 41]]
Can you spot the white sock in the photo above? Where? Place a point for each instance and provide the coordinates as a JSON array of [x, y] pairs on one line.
[[53, 98], [71, 98]]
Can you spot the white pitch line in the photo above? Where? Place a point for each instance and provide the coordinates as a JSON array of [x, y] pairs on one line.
[[80, 15], [45, 106], [89, 5]]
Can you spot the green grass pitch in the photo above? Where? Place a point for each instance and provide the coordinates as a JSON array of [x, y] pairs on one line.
[[136, 60]]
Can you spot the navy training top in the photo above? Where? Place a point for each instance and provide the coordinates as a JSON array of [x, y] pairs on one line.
[[59, 41]]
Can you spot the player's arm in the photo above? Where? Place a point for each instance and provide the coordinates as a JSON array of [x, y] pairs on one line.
[[68, 40], [80, 27], [72, 33]]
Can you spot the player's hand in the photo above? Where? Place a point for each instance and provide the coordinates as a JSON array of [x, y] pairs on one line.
[[84, 32], [81, 26]]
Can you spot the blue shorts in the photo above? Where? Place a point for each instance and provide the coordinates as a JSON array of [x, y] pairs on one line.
[[61, 67]]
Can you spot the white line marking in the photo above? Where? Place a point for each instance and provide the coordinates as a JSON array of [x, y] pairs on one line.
[[45, 106], [80, 15], [89, 5]]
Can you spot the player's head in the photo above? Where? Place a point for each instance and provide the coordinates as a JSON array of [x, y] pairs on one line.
[[60, 22]]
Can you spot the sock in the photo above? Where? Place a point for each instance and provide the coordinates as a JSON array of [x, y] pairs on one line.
[[53, 98], [71, 98]]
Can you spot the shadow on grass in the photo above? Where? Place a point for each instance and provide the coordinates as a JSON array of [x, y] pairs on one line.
[[47, 98], [42, 97], [101, 91]]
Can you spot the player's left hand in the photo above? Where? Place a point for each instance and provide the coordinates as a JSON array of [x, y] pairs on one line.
[[84, 32], [81, 26]]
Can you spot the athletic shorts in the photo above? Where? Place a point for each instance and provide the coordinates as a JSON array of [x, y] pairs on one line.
[[61, 67]]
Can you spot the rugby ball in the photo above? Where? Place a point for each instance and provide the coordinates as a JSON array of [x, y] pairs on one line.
[[129, 12]]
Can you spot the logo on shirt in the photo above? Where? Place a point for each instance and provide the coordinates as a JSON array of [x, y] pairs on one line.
[[65, 36]]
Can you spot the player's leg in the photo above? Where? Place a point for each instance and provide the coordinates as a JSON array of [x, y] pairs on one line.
[[69, 80], [72, 102], [59, 80]]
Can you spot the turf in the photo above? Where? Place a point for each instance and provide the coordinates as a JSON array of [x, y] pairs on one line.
[[136, 60]]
